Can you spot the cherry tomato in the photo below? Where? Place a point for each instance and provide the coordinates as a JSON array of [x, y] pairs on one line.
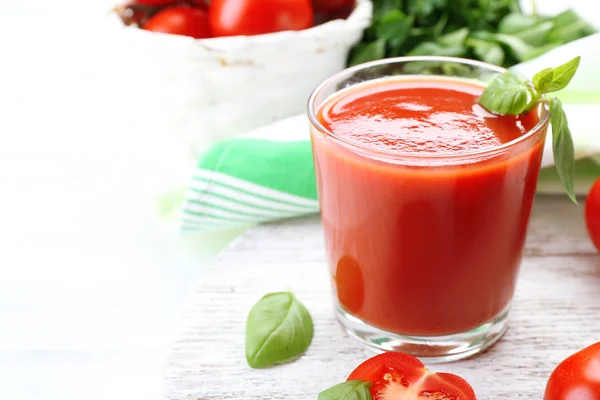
[[180, 20], [577, 377], [592, 214], [399, 376], [256, 17], [331, 5], [153, 3]]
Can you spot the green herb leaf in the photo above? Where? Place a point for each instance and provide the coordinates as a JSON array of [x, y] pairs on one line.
[[516, 22], [511, 94], [562, 147], [487, 51], [508, 94], [535, 35], [394, 27], [278, 329], [456, 38], [543, 78], [561, 76], [436, 49], [369, 52], [350, 390]]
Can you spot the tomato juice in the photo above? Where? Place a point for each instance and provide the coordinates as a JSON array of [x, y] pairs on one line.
[[425, 199]]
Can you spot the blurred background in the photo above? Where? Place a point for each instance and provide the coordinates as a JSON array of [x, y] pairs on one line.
[[91, 282]]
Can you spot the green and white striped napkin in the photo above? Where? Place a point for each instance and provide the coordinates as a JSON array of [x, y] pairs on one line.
[[264, 176], [268, 174]]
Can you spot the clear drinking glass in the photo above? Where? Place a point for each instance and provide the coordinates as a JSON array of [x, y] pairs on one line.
[[423, 250]]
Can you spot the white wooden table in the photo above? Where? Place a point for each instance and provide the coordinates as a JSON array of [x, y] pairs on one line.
[[555, 312]]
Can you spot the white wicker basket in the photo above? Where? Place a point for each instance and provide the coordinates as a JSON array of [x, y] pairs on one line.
[[211, 89]]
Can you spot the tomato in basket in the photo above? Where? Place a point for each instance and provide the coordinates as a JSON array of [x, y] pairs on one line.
[[180, 20], [154, 3], [256, 17], [331, 5]]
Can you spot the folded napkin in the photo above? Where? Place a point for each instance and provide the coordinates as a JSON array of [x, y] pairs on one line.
[[268, 174]]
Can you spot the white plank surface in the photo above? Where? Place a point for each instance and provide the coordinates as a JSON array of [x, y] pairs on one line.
[[555, 312]]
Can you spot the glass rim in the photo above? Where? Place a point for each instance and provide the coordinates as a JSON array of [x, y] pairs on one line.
[[394, 154]]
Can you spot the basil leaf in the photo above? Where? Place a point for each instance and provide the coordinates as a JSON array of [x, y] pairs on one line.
[[568, 33], [370, 52], [508, 94], [542, 78], [562, 75], [562, 147], [516, 22], [535, 35], [278, 328], [489, 52], [436, 49], [456, 38], [517, 47], [394, 27], [350, 390]]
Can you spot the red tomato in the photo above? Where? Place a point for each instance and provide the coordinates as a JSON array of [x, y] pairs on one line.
[[577, 377], [181, 20], [399, 376], [592, 214], [153, 3], [331, 5], [255, 17]]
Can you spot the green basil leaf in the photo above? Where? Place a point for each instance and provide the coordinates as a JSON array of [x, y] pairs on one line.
[[278, 329], [535, 35], [516, 46], [394, 27], [542, 78], [369, 52], [562, 147], [456, 38], [562, 75], [568, 33], [436, 49], [489, 52], [508, 94], [350, 390], [565, 18], [516, 22]]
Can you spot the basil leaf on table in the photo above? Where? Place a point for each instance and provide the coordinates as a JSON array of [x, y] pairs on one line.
[[350, 390], [278, 329]]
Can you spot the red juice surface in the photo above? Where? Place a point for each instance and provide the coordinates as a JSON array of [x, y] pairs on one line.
[[423, 237]]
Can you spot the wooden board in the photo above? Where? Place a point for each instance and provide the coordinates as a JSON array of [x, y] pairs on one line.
[[556, 311]]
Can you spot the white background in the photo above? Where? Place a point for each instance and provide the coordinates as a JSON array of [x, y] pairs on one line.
[[91, 282]]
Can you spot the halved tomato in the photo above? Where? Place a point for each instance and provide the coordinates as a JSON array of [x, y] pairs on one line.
[[399, 376]]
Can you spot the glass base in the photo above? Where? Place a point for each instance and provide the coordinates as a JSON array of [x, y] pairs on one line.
[[429, 349]]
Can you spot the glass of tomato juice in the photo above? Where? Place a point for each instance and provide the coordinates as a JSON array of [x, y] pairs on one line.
[[425, 199]]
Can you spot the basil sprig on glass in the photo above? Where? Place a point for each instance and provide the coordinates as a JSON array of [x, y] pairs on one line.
[[278, 329], [511, 94]]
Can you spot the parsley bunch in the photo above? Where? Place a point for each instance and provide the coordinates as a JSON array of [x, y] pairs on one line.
[[494, 31]]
